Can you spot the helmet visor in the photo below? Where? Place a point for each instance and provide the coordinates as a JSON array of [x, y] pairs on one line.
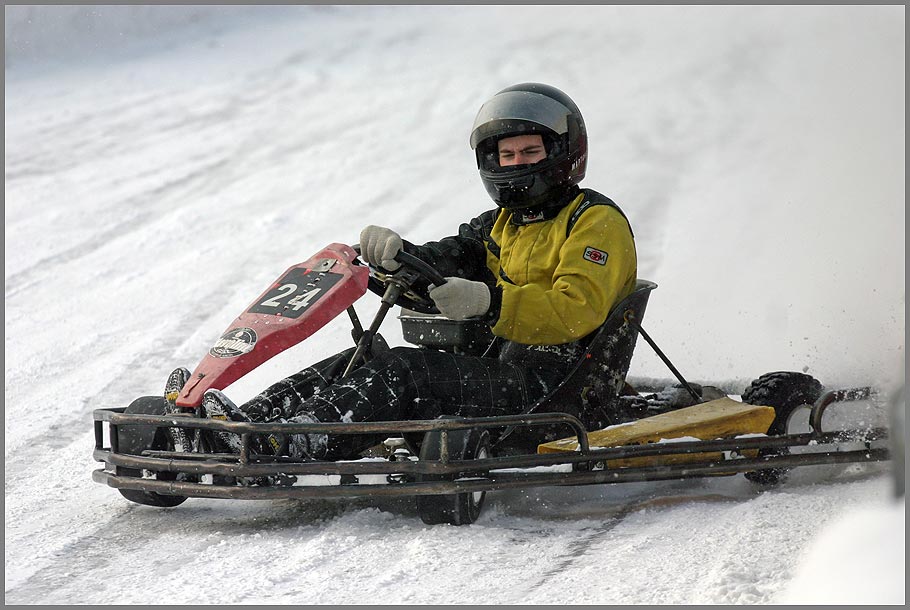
[[519, 112], [489, 160]]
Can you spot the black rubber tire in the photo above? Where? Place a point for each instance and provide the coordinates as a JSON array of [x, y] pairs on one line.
[[785, 391], [454, 509], [148, 498], [136, 439]]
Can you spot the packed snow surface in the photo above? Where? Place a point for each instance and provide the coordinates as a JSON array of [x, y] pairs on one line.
[[165, 164]]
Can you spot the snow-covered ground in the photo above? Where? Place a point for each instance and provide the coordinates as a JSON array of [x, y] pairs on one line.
[[164, 165]]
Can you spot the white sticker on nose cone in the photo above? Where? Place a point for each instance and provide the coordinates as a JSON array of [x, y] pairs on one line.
[[233, 343]]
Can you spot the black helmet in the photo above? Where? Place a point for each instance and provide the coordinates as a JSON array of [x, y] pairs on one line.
[[531, 108]]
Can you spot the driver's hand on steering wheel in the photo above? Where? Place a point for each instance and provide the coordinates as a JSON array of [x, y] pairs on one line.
[[459, 299], [378, 246]]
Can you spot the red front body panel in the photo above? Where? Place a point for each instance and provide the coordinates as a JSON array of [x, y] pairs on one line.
[[300, 302]]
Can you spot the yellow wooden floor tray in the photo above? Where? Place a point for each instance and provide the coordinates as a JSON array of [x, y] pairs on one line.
[[720, 418]]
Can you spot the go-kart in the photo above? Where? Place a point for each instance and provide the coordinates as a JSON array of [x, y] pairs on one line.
[[592, 429]]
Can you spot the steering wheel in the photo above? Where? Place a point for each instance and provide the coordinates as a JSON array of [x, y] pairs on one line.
[[414, 273]]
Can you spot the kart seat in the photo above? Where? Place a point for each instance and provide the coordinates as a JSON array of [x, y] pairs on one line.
[[592, 389]]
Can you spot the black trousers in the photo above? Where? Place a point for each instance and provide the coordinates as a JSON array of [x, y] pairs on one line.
[[409, 383]]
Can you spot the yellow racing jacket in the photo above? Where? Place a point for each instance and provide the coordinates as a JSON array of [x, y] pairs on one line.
[[553, 276]]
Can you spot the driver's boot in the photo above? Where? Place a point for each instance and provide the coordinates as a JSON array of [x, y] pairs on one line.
[[302, 446], [180, 437], [218, 406]]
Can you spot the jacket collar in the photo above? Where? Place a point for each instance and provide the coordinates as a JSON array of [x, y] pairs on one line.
[[526, 216]]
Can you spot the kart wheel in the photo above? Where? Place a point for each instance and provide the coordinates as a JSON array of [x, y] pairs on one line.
[[149, 498], [455, 509], [785, 391], [136, 439]]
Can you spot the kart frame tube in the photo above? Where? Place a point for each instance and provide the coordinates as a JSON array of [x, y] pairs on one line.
[[492, 480], [224, 464], [232, 465]]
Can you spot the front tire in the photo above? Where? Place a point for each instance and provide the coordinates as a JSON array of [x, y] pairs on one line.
[[454, 509], [136, 439], [785, 391]]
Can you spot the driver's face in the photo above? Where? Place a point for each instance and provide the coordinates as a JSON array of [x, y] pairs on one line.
[[518, 150]]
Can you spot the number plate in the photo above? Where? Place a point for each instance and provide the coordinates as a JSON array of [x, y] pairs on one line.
[[296, 292]]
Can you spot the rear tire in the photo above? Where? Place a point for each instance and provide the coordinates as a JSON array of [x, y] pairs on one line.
[[454, 509], [136, 439], [785, 391]]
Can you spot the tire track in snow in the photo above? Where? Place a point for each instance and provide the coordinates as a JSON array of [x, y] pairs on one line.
[[136, 543], [148, 360], [97, 556], [41, 267], [588, 542], [148, 368], [152, 360], [747, 568], [42, 155]]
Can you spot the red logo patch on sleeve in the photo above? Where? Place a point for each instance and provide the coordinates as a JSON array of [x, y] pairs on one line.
[[596, 256]]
